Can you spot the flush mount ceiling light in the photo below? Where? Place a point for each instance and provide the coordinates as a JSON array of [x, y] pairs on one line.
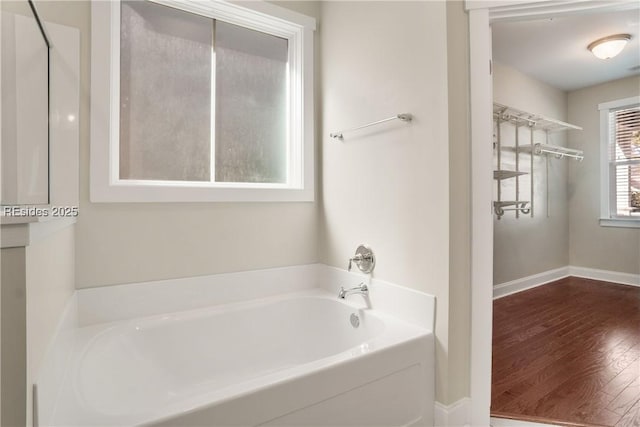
[[608, 47]]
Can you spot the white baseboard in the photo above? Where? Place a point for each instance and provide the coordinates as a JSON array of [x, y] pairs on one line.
[[605, 275], [519, 285], [505, 422], [454, 415]]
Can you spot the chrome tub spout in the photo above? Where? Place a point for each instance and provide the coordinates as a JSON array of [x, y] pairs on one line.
[[360, 289]]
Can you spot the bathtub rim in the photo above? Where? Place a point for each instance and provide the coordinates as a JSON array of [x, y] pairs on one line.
[[132, 300]]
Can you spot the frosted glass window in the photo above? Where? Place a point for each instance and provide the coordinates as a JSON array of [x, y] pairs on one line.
[[251, 105], [165, 93], [213, 102]]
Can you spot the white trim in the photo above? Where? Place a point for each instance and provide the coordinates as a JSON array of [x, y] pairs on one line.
[[529, 282], [605, 275], [236, 12], [618, 103], [506, 422], [105, 185], [481, 98], [501, 10], [620, 222], [456, 414], [100, 97], [605, 196], [535, 280]]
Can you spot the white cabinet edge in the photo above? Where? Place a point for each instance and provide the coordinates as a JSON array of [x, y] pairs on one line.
[[15, 235]]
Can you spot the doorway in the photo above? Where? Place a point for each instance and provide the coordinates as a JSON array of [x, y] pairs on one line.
[[482, 15]]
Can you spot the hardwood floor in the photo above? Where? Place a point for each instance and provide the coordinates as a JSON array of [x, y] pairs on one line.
[[568, 353]]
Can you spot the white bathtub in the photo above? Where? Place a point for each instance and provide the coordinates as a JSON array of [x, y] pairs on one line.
[[290, 359]]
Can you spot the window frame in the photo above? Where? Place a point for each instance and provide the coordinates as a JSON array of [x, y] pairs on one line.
[[607, 216], [105, 183]]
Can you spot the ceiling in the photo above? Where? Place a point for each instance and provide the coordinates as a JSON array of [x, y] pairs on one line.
[[554, 50]]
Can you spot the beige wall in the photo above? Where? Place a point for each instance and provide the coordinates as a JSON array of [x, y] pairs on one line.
[[131, 242], [526, 246], [388, 186], [593, 246]]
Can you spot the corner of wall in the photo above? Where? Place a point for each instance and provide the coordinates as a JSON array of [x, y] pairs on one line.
[[591, 244], [460, 205]]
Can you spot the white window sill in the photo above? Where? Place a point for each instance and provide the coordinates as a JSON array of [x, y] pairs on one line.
[[619, 222], [102, 192]]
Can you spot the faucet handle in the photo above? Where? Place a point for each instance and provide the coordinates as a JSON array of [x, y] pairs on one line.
[[357, 258], [364, 259]]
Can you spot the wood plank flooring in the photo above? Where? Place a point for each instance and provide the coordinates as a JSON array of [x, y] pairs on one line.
[[568, 353]]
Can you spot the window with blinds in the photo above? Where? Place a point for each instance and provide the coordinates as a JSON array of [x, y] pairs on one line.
[[624, 161]]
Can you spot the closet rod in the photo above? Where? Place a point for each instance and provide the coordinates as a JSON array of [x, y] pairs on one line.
[[405, 117], [559, 151]]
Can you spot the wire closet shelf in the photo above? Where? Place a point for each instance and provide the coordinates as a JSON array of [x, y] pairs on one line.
[[534, 122], [537, 121]]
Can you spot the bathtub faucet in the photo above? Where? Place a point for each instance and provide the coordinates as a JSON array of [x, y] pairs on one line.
[[360, 289], [363, 259]]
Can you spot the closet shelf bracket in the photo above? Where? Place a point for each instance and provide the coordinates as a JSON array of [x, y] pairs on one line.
[[506, 174], [511, 205]]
